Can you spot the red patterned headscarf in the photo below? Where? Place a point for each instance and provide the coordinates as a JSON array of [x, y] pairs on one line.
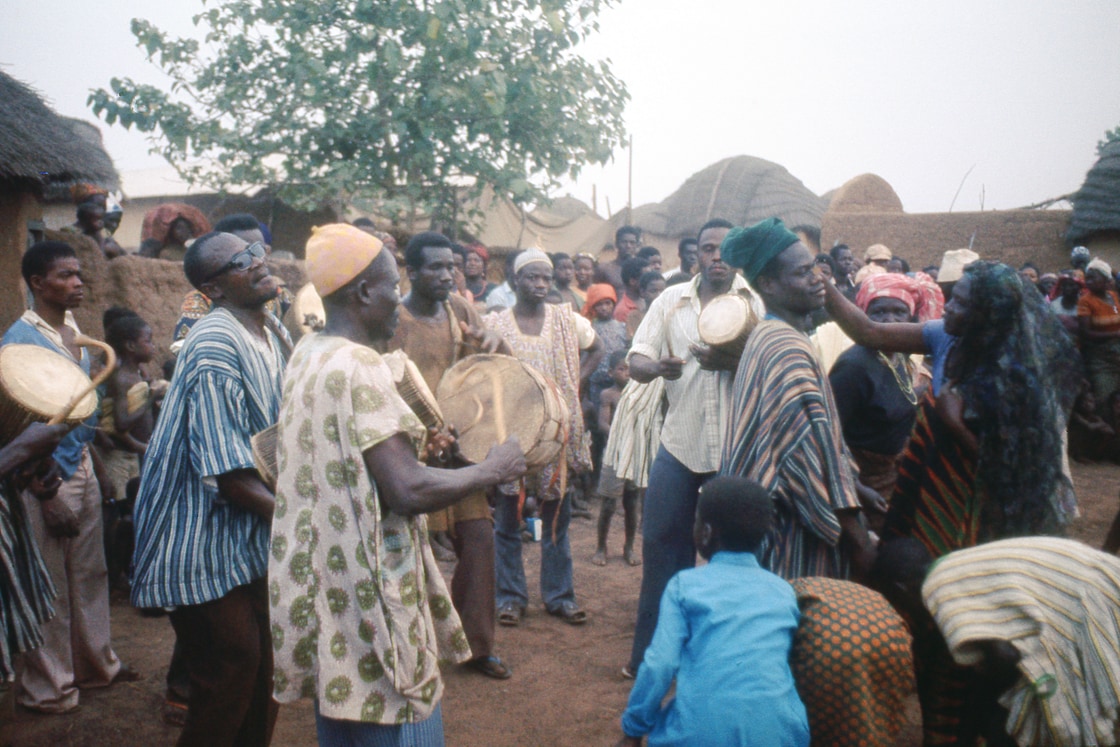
[[921, 295]]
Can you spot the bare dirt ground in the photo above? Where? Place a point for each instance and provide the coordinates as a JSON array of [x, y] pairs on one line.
[[566, 688]]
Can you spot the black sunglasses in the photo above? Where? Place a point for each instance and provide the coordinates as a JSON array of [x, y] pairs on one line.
[[241, 261]]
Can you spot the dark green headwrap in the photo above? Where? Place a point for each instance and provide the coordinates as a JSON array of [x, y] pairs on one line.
[[751, 249]]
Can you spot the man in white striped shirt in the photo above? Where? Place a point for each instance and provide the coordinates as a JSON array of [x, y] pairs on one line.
[[698, 388]]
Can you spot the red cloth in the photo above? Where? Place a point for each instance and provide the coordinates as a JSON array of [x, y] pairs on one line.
[[921, 295], [480, 250], [595, 294], [157, 223], [623, 308]]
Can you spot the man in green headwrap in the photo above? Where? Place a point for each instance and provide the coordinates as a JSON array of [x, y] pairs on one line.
[[784, 429]]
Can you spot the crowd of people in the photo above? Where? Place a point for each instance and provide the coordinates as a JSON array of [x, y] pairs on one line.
[[875, 472]]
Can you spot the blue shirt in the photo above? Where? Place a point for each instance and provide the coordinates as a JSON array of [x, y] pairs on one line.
[[192, 545], [939, 342], [68, 453], [725, 631]]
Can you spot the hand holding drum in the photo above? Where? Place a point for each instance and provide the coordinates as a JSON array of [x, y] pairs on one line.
[[508, 460], [724, 325]]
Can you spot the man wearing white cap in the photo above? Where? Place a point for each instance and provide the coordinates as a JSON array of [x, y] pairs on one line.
[[202, 515], [360, 611], [549, 338]]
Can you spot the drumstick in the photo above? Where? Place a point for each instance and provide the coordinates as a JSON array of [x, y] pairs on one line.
[[110, 364]]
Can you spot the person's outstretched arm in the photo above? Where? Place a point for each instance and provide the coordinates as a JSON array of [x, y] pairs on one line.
[[890, 338]]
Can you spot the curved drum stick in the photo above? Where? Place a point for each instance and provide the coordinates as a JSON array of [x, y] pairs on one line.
[[110, 364]]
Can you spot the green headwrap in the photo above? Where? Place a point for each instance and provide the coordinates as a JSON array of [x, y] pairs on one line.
[[751, 249]]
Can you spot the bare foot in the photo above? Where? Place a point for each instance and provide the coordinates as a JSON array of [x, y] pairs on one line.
[[599, 558], [630, 558]]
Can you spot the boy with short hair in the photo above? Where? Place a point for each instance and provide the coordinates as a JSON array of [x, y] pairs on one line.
[[611, 487], [724, 633]]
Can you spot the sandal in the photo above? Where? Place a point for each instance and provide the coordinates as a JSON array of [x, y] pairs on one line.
[[510, 615], [570, 613], [491, 666]]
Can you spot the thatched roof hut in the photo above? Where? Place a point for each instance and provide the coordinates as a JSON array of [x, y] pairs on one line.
[[741, 189], [1096, 206], [42, 152]]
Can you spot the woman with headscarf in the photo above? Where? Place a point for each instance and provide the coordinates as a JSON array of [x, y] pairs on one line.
[[1098, 314], [986, 458], [168, 227], [875, 391]]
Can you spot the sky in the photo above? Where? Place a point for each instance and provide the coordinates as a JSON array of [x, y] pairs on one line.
[[1004, 100]]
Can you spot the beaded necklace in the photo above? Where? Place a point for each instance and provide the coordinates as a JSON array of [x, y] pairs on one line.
[[901, 375]]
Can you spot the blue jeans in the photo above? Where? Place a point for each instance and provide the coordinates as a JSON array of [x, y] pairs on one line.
[[668, 514], [556, 556], [338, 733]]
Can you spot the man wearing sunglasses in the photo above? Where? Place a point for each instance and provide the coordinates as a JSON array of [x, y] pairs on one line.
[[203, 515], [196, 305]]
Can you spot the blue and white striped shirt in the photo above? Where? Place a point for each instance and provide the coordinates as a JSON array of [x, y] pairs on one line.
[[193, 546]]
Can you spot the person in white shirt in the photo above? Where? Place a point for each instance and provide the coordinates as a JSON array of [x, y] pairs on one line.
[[698, 387]]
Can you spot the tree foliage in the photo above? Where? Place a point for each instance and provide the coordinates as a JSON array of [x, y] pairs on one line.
[[407, 101]]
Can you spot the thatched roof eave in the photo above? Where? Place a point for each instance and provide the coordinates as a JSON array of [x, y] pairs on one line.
[[1096, 206], [43, 152]]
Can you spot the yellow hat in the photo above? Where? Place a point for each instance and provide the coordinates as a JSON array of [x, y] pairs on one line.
[[338, 253]]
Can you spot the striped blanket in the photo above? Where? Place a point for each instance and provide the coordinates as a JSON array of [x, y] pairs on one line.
[[1057, 602]]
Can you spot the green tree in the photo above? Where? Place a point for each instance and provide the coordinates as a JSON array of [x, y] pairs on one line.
[[1109, 137], [411, 102]]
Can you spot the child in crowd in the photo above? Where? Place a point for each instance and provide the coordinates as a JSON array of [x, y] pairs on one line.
[[1091, 438], [128, 409], [127, 419], [651, 283], [611, 488], [724, 633], [599, 308]]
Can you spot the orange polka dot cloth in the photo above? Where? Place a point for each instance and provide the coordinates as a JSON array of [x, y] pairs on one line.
[[852, 662]]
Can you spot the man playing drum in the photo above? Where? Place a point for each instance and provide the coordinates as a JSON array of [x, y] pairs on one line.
[[67, 528], [698, 388], [436, 328], [202, 515], [360, 611], [548, 337]]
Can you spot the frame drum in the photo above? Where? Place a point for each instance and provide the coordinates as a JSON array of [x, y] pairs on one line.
[[36, 384]]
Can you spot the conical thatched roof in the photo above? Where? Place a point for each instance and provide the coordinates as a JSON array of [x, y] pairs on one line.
[[743, 190], [866, 193], [44, 152], [1096, 206]]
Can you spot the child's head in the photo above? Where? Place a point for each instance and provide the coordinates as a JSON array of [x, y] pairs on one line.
[[651, 283], [619, 368], [1086, 403], [604, 310], [131, 338], [113, 313], [732, 513]]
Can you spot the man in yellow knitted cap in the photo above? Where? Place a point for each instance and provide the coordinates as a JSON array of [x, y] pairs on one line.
[[360, 612], [202, 515]]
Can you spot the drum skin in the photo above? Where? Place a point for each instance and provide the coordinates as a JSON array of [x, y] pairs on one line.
[[36, 384], [488, 398]]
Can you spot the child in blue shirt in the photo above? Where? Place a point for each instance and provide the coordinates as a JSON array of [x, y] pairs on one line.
[[724, 633]]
